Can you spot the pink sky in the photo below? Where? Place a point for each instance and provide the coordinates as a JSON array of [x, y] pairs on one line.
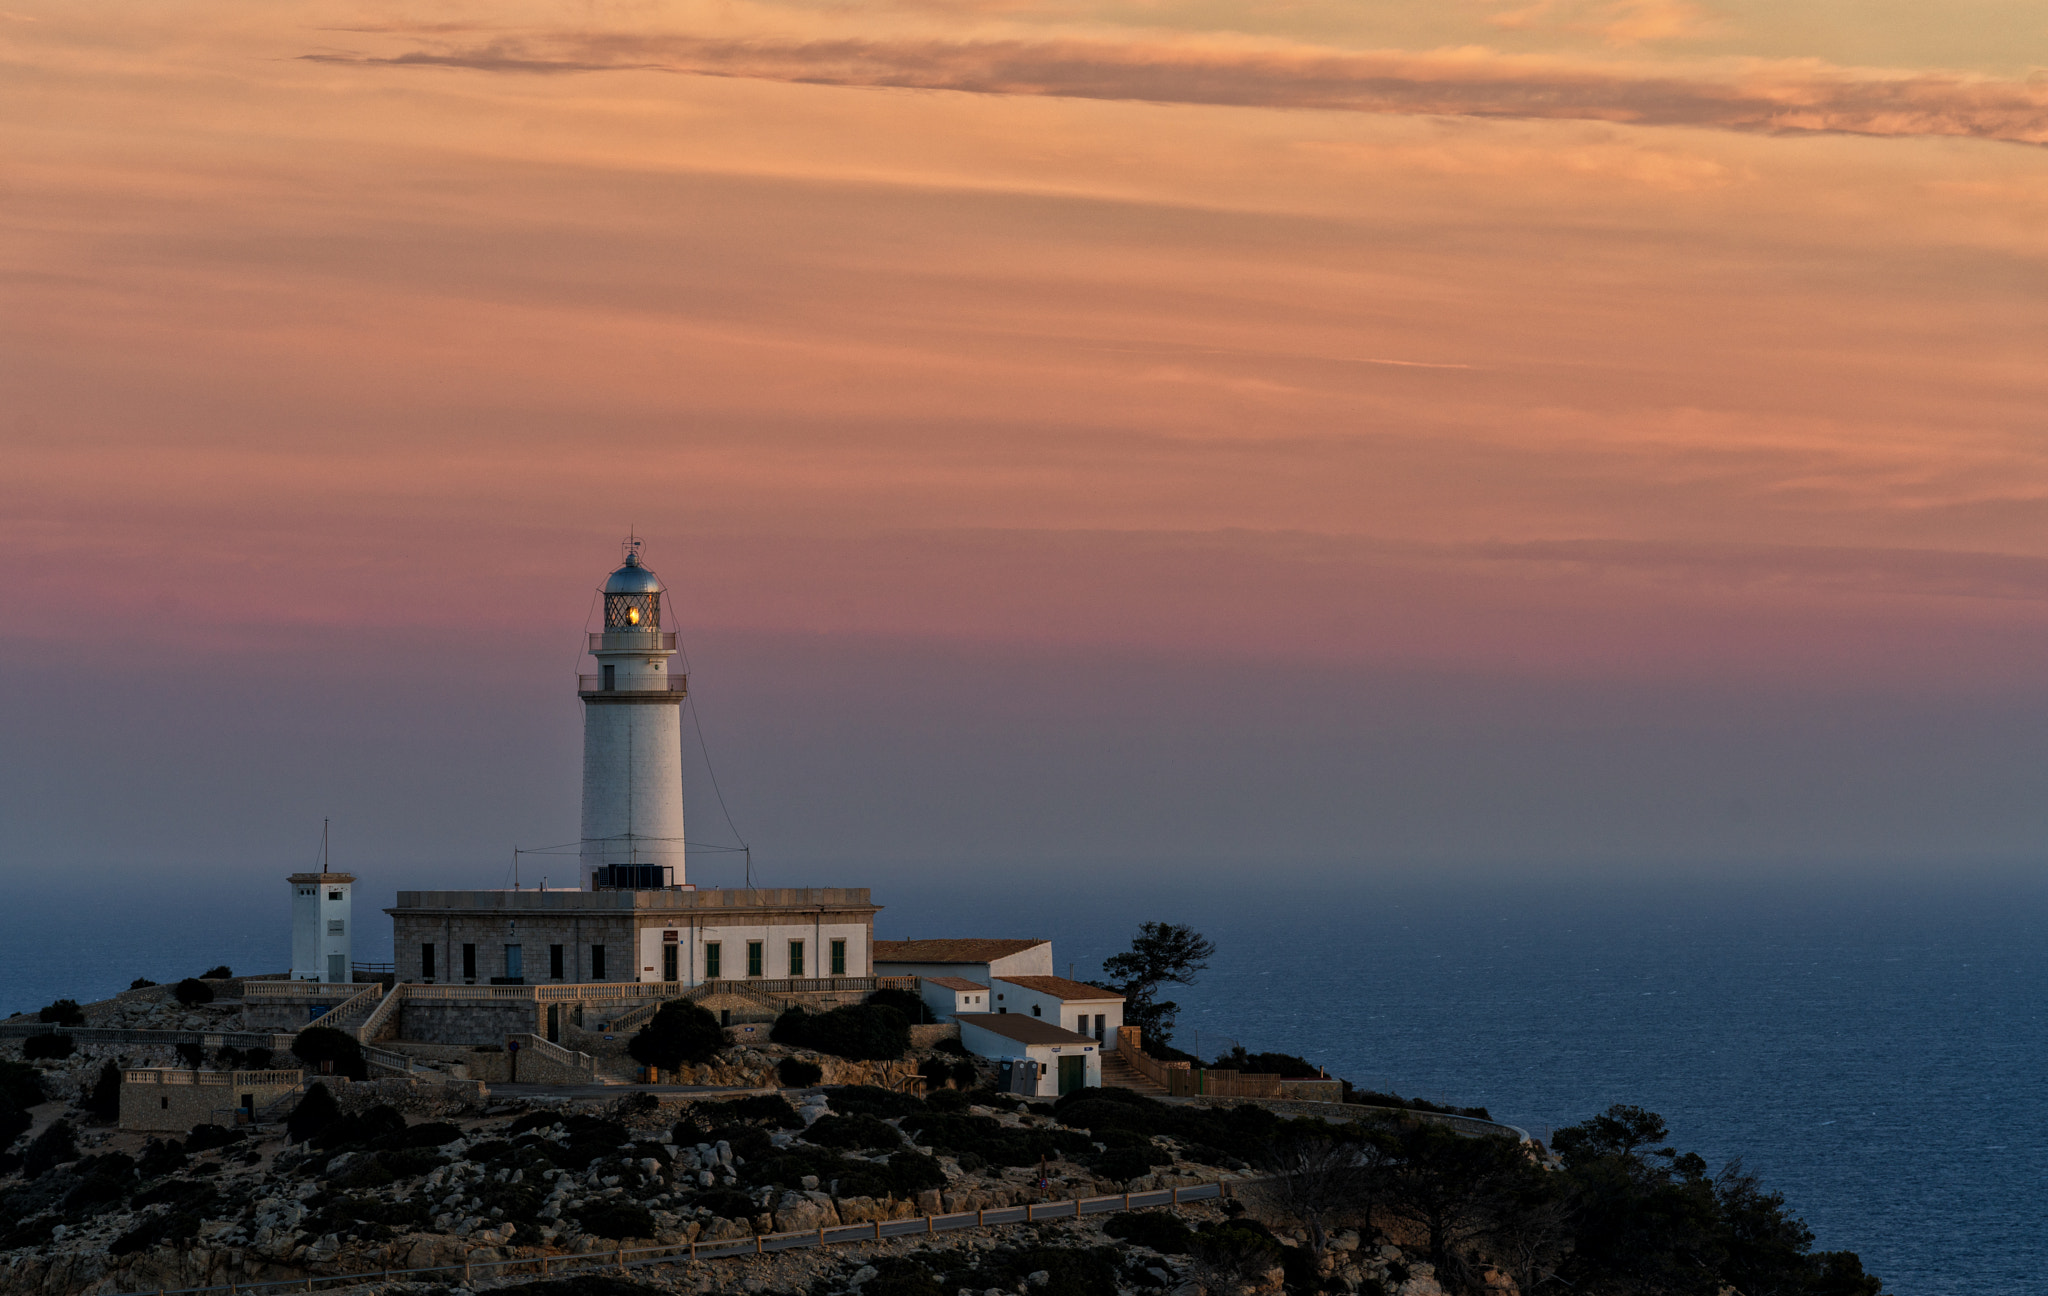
[[1568, 345]]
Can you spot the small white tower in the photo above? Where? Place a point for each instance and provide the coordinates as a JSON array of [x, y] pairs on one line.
[[632, 739], [321, 920]]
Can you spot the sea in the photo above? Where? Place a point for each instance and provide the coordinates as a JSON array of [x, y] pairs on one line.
[[1872, 1044]]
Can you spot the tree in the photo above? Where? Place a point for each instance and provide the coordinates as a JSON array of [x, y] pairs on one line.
[[863, 1032], [318, 1044], [192, 991], [140, 983], [105, 1099], [1160, 954], [220, 973], [1449, 1188], [65, 1012], [1318, 1181], [315, 1112], [52, 1147], [680, 1033]]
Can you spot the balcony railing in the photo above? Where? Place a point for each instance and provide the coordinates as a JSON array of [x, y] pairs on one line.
[[630, 640], [670, 684]]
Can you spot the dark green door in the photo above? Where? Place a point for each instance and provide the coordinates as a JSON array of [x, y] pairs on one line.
[[1073, 1074]]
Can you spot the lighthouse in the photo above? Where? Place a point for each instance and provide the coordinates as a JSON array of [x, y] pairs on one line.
[[632, 739]]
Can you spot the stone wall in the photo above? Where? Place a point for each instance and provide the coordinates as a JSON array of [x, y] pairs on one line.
[[175, 1101], [925, 1037], [460, 1021]]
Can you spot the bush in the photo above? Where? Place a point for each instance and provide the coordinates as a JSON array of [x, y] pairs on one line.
[[1124, 1164], [21, 1084], [795, 1073], [907, 1002], [318, 1044], [1162, 1232], [65, 1012], [681, 1033], [770, 1110], [949, 1100], [583, 1284], [192, 991], [380, 1126], [49, 1149], [192, 1055], [1237, 1249], [105, 1099], [14, 1122], [859, 1032], [220, 973], [141, 983], [174, 1227], [902, 1276], [206, 1136], [858, 1132], [872, 1100], [315, 1112], [617, 1219], [952, 1046], [47, 1046]]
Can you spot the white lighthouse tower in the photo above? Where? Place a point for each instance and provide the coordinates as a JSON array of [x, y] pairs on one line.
[[321, 918], [632, 739]]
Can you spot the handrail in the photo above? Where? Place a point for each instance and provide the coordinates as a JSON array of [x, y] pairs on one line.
[[366, 1031], [360, 1002], [631, 640], [677, 683], [298, 990], [176, 1076]]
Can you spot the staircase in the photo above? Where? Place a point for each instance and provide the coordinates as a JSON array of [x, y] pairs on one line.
[[1120, 1074]]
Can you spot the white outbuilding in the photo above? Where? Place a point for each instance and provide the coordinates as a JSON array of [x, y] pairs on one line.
[[1061, 1061], [1082, 1008], [947, 997], [321, 917]]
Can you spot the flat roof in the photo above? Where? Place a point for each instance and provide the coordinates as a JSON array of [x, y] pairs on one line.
[[1023, 1029], [966, 949], [1061, 988], [954, 983]]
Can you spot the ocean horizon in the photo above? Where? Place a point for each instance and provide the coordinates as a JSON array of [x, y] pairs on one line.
[[1870, 1049]]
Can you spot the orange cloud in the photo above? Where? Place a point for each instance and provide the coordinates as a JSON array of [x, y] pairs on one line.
[[1750, 95]]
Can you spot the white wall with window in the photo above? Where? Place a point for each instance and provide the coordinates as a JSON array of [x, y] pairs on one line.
[[1072, 1005], [688, 955]]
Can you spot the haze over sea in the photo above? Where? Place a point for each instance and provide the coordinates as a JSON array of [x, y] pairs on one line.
[[1870, 1048]]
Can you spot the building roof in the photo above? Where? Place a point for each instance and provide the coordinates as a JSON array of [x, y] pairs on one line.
[[953, 983], [964, 950], [1060, 987], [1023, 1029]]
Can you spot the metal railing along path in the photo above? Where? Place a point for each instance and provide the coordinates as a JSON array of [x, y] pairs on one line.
[[623, 1258]]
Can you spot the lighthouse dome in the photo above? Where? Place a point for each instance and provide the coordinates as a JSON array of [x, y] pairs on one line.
[[632, 579]]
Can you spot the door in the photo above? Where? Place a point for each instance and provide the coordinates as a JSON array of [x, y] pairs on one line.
[[337, 967], [1073, 1074], [668, 963], [554, 1023]]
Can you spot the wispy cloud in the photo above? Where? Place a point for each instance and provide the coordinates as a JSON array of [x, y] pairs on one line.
[[1747, 95]]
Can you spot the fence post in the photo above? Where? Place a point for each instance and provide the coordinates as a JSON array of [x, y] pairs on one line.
[[931, 1225], [757, 1244], [821, 1235], [878, 1230], [465, 1267], [620, 1257]]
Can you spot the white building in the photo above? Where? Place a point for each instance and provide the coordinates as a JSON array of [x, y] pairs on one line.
[[633, 738], [1064, 1061], [947, 997], [980, 961], [322, 913], [1079, 1007]]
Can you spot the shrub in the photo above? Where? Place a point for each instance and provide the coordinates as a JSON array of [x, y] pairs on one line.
[[617, 1219], [192, 1055], [952, 1046], [859, 1131], [206, 1136], [770, 1110], [1237, 1249], [949, 1100], [428, 1134], [141, 983], [873, 1100], [105, 1099], [21, 1084], [14, 1122], [584, 1284], [315, 1112], [192, 991], [795, 1073], [318, 1044], [174, 1227], [47, 1046], [220, 973], [1124, 1164], [681, 1033], [49, 1149], [910, 1004], [901, 1276], [727, 1203], [160, 1157], [380, 1126], [859, 1032], [64, 1012], [1158, 1230]]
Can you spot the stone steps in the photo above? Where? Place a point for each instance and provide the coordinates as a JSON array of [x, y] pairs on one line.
[[1119, 1074]]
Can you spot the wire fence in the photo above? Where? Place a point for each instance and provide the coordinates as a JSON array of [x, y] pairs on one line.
[[623, 1258]]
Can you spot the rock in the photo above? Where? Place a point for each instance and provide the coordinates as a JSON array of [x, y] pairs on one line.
[[1038, 1277], [862, 1276], [810, 1183], [930, 1202]]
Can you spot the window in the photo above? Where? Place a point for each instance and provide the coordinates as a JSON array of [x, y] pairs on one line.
[[555, 962], [335, 895], [753, 958], [796, 958], [839, 958], [611, 677], [167, 1106], [427, 960], [597, 962], [711, 961], [1035, 1012], [469, 962], [336, 926], [515, 963]]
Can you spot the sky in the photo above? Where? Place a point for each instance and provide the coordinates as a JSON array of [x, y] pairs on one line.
[[1089, 433]]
